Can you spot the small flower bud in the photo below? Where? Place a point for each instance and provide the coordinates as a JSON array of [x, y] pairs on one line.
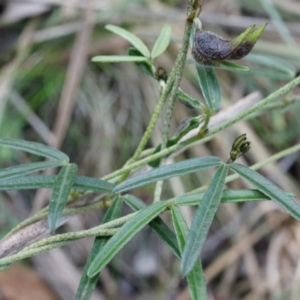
[[239, 147], [161, 74]]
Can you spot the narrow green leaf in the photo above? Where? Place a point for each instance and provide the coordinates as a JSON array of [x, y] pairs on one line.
[[272, 66], [245, 195], [27, 183], [87, 285], [131, 38], [158, 225], [34, 148], [47, 181], [21, 170], [195, 279], [61, 190], [209, 86], [202, 219], [268, 188], [188, 100], [127, 231], [227, 197], [226, 65], [118, 58], [92, 184], [165, 172], [162, 42]]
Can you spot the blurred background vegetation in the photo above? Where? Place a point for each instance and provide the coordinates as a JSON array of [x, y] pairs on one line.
[[51, 93]]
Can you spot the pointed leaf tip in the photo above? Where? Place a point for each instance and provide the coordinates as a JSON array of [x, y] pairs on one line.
[[87, 285], [268, 188], [162, 41], [131, 38], [202, 219], [126, 232], [195, 279], [60, 194]]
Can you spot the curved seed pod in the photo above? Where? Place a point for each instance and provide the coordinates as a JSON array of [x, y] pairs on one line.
[[209, 48]]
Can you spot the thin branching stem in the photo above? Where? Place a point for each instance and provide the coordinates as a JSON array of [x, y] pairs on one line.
[[178, 70], [195, 140]]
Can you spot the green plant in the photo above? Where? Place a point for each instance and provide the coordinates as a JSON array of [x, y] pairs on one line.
[[116, 230]]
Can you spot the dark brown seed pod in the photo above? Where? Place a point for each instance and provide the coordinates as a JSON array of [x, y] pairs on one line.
[[243, 50], [209, 47]]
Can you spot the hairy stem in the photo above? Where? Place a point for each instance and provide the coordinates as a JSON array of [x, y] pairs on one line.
[[178, 69], [195, 140]]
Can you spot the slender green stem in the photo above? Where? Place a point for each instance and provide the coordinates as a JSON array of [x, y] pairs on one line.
[[42, 214], [257, 166], [194, 9], [209, 136], [45, 244], [22, 255], [71, 236], [154, 118], [38, 216], [178, 69], [260, 105], [55, 241]]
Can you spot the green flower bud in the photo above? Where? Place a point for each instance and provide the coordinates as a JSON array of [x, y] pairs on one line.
[[239, 147]]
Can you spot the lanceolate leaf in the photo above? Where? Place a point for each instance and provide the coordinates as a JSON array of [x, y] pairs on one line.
[[271, 66], [34, 148], [47, 181], [162, 41], [245, 195], [268, 188], [165, 172], [195, 278], [87, 285], [231, 66], [118, 58], [209, 86], [92, 184], [27, 183], [124, 235], [21, 170], [61, 190], [188, 100], [202, 219], [131, 38], [158, 225], [227, 197]]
